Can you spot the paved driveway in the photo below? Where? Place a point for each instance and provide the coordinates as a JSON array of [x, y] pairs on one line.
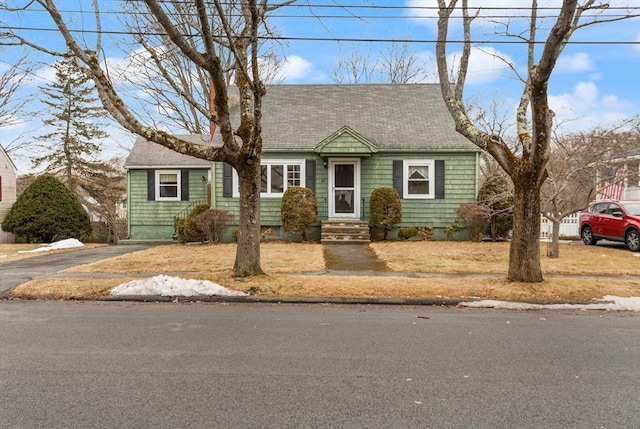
[[14, 273]]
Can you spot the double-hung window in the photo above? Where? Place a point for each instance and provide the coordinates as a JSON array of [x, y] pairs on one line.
[[276, 176], [419, 179], [168, 185]]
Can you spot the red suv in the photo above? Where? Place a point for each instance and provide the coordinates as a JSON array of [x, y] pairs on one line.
[[612, 220]]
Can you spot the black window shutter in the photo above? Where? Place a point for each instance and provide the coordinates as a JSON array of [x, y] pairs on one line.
[[439, 179], [310, 174], [184, 185], [227, 180], [397, 176], [151, 185]]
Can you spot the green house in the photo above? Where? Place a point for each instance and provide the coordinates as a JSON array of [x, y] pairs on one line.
[[341, 141]]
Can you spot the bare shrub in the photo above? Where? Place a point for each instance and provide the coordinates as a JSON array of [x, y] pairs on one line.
[[212, 223], [474, 217]]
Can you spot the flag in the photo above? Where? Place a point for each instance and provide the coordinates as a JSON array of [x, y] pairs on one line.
[[613, 185]]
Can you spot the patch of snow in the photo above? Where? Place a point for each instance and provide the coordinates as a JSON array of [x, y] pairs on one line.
[[609, 302], [69, 243], [173, 286]]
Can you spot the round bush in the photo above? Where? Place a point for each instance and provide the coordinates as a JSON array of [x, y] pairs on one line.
[[187, 231], [47, 211]]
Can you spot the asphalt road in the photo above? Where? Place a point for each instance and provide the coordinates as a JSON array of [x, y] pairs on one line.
[[133, 365], [14, 273]]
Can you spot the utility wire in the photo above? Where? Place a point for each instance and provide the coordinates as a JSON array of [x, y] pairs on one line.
[[328, 39]]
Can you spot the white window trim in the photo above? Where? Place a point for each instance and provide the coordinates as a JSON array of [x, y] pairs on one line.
[[178, 175], [431, 166], [286, 162]]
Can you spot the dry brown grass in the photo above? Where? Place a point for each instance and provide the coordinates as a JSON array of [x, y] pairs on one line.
[[9, 252], [67, 288], [284, 264], [493, 258]]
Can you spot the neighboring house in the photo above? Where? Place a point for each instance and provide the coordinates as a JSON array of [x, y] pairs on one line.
[[341, 141], [621, 178], [8, 177]]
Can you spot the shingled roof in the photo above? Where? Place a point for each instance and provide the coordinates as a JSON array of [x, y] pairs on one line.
[[394, 117], [147, 154]]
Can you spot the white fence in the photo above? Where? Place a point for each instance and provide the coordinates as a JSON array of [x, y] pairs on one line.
[[569, 227]]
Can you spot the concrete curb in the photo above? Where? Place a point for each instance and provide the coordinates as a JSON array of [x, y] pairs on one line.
[[252, 299], [288, 300]]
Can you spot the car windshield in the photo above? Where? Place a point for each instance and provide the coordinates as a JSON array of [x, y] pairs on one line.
[[633, 208]]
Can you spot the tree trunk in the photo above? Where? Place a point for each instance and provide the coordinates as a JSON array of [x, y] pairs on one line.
[[248, 250], [554, 252], [524, 252]]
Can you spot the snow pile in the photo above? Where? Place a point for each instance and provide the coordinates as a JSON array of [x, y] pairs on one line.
[[609, 302], [62, 244], [173, 286]]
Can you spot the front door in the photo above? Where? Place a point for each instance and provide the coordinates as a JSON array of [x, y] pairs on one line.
[[344, 188]]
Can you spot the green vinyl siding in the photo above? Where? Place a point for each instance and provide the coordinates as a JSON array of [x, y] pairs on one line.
[[153, 220]]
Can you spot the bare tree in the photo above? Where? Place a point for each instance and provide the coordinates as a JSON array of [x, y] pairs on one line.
[[354, 67], [527, 165], [571, 182], [395, 64], [574, 165], [238, 25], [398, 65], [13, 105], [160, 70]]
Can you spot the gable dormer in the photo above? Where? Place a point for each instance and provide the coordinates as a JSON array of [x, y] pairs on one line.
[[346, 142]]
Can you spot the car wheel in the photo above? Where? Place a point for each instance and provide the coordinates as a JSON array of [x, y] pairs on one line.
[[587, 236], [633, 240]]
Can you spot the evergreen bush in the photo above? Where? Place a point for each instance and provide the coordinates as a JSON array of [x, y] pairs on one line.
[[47, 211], [407, 232], [186, 230], [385, 210], [299, 211]]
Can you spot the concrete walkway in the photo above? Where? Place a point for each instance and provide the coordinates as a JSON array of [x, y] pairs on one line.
[[352, 257]]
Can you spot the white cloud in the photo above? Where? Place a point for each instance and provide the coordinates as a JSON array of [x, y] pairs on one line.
[[579, 62], [585, 108], [294, 67], [427, 10], [485, 65]]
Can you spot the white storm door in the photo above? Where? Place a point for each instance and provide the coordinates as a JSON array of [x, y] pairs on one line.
[[344, 188]]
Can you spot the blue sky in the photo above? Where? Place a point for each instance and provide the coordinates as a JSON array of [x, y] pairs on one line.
[[596, 82]]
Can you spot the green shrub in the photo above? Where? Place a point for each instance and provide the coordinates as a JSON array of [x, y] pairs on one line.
[[299, 211], [186, 230], [385, 210], [407, 232], [496, 194], [212, 223], [47, 211], [452, 229]]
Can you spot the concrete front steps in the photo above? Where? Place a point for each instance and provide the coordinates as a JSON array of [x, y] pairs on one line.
[[345, 232]]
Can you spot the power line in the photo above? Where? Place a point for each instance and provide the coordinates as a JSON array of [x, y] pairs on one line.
[[595, 13], [328, 39]]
